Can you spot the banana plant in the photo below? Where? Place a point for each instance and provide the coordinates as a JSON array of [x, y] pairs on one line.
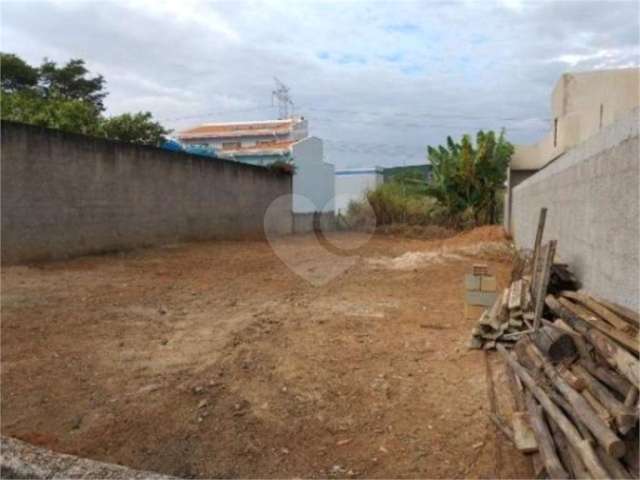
[[468, 176]]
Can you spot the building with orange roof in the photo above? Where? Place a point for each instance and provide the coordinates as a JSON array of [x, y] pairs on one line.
[[265, 142]]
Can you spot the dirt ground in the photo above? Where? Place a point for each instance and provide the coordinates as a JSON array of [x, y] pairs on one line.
[[215, 359]]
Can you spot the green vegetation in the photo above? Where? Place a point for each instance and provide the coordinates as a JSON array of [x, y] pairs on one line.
[[468, 179], [466, 187], [67, 98]]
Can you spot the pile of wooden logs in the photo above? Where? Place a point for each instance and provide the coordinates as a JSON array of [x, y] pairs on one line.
[[575, 377], [579, 374], [511, 313]]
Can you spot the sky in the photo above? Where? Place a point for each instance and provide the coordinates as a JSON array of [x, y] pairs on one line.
[[378, 81]]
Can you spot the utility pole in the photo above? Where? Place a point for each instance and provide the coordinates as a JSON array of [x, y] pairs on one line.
[[281, 93]]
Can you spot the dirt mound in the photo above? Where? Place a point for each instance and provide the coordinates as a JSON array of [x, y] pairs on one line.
[[423, 232], [412, 260], [486, 233]]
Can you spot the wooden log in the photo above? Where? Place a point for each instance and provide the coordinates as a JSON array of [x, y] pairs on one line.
[[546, 446], [584, 411], [570, 458], [523, 434], [631, 317], [493, 319], [602, 412], [613, 319], [582, 446], [612, 465], [527, 301], [608, 376], [504, 306], [515, 296], [621, 337], [517, 393], [578, 339], [576, 382], [624, 416], [542, 282], [632, 457], [631, 399], [615, 355], [556, 345], [568, 411]]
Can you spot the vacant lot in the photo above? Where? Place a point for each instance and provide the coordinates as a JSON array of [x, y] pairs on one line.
[[216, 359]]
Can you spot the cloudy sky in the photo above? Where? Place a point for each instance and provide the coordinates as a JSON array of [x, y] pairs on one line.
[[378, 81]]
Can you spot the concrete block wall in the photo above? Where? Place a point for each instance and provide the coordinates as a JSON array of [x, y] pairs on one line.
[[592, 193], [65, 195]]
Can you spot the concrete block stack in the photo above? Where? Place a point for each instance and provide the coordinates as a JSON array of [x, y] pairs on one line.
[[480, 291]]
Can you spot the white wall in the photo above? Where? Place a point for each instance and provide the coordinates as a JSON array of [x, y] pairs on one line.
[[592, 194], [313, 178], [352, 185]]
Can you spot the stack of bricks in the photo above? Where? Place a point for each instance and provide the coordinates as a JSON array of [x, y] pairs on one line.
[[480, 292]]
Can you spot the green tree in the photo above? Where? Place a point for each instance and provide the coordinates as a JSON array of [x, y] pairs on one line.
[[68, 98], [134, 128], [468, 177], [54, 112], [16, 73], [70, 81]]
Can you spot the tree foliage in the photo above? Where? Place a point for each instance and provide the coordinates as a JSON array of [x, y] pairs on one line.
[[135, 128], [468, 177], [71, 82], [67, 98], [54, 112], [16, 73]]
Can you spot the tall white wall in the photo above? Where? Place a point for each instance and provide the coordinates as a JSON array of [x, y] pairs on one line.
[[592, 193], [352, 185], [313, 178]]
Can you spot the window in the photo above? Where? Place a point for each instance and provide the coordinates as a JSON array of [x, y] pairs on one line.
[[230, 145], [263, 143]]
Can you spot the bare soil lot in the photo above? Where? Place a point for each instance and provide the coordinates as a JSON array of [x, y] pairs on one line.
[[216, 360]]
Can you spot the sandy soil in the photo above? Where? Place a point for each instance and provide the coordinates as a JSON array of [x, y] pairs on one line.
[[217, 360]]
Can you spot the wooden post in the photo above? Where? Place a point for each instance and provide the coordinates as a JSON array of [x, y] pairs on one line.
[[536, 246], [542, 282]]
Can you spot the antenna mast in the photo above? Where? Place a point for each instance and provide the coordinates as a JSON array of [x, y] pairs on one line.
[[281, 93]]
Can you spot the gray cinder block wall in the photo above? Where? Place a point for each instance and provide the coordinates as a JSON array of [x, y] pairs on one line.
[[65, 195], [592, 193]]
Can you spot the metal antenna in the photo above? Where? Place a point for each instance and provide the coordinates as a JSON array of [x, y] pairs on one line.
[[281, 93]]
